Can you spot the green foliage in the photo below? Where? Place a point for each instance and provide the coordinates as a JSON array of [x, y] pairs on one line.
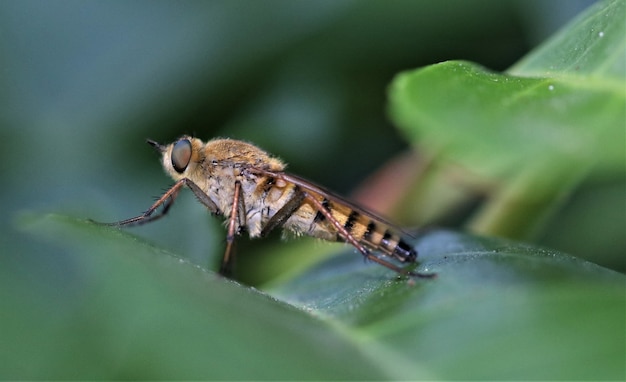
[[82, 301], [529, 136], [132, 310]]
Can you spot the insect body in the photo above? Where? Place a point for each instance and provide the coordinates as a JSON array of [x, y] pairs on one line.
[[250, 189]]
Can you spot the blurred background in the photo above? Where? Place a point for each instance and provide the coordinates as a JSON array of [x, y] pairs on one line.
[[84, 83]]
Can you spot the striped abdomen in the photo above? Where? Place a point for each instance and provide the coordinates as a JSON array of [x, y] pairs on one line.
[[369, 231], [287, 200]]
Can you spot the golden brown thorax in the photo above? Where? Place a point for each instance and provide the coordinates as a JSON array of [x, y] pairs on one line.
[[219, 153]]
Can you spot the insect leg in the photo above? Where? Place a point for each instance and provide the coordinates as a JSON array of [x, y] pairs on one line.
[[235, 215], [166, 200], [352, 240], [281, 216], [202, 197], [340, 228]]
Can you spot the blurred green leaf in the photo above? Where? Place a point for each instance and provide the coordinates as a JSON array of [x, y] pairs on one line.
[[530, 135], [134, 311], [131, 310], [592, 45]]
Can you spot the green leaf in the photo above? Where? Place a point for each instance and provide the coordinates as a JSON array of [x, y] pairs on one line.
[[593, 45], [130, 310], [498, 310], [532, 134]]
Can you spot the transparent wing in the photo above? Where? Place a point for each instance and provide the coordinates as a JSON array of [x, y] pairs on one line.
[[322, 193]]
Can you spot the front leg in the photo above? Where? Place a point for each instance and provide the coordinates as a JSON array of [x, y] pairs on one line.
[[166, 200]]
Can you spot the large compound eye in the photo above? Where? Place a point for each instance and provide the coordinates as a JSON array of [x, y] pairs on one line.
[[181, 155]]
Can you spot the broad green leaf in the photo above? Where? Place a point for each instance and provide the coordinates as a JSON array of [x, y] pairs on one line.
[[531, 134], [497, 310], [593, 45], [130, 310]]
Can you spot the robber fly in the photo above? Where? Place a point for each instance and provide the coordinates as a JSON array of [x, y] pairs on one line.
[[250, 189]]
